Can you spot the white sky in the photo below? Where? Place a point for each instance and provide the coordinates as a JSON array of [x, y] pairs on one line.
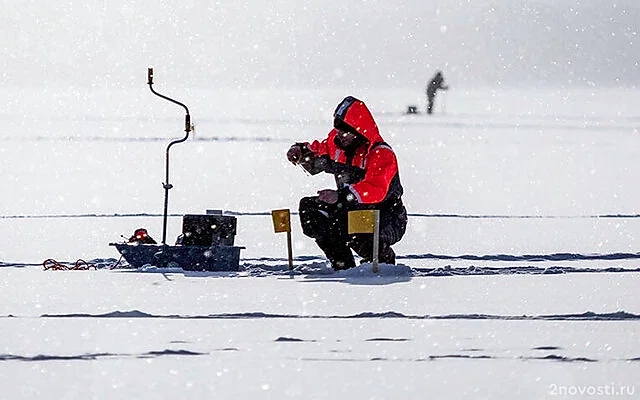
[[320, 43]]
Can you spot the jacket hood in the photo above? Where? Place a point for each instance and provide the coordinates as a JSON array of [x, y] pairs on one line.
[[355, 113]]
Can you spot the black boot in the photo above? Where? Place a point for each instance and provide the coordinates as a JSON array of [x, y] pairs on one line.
[[363, 246], [338, 254], [387, 256], [342, 265]]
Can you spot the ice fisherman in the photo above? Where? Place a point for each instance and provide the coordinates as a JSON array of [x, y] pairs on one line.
[[436, 83], [366, 173]]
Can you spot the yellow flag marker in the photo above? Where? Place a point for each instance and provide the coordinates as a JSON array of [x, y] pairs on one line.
[[281, 220], [366, 221], [282, 223], [361, 221]]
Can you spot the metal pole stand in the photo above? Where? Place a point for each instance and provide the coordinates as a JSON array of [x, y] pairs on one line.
[[187, 128]]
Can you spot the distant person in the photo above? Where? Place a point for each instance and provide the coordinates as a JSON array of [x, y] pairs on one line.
[[366, 173], [436, 83]]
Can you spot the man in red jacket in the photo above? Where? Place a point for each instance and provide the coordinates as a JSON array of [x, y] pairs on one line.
[[366, 173]]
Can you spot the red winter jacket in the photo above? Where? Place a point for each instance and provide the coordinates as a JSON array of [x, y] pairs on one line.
[[370, 173]]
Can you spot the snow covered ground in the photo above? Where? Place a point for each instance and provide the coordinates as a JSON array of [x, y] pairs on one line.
[[518, 276]]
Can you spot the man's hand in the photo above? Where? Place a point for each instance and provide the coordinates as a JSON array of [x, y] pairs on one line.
[[328, 196], [294, 154]]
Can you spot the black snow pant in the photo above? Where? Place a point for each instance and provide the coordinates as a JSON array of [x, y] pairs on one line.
[[327, 224]]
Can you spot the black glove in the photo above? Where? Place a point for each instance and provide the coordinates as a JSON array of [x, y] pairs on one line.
[[294, 154], [299, 153]]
